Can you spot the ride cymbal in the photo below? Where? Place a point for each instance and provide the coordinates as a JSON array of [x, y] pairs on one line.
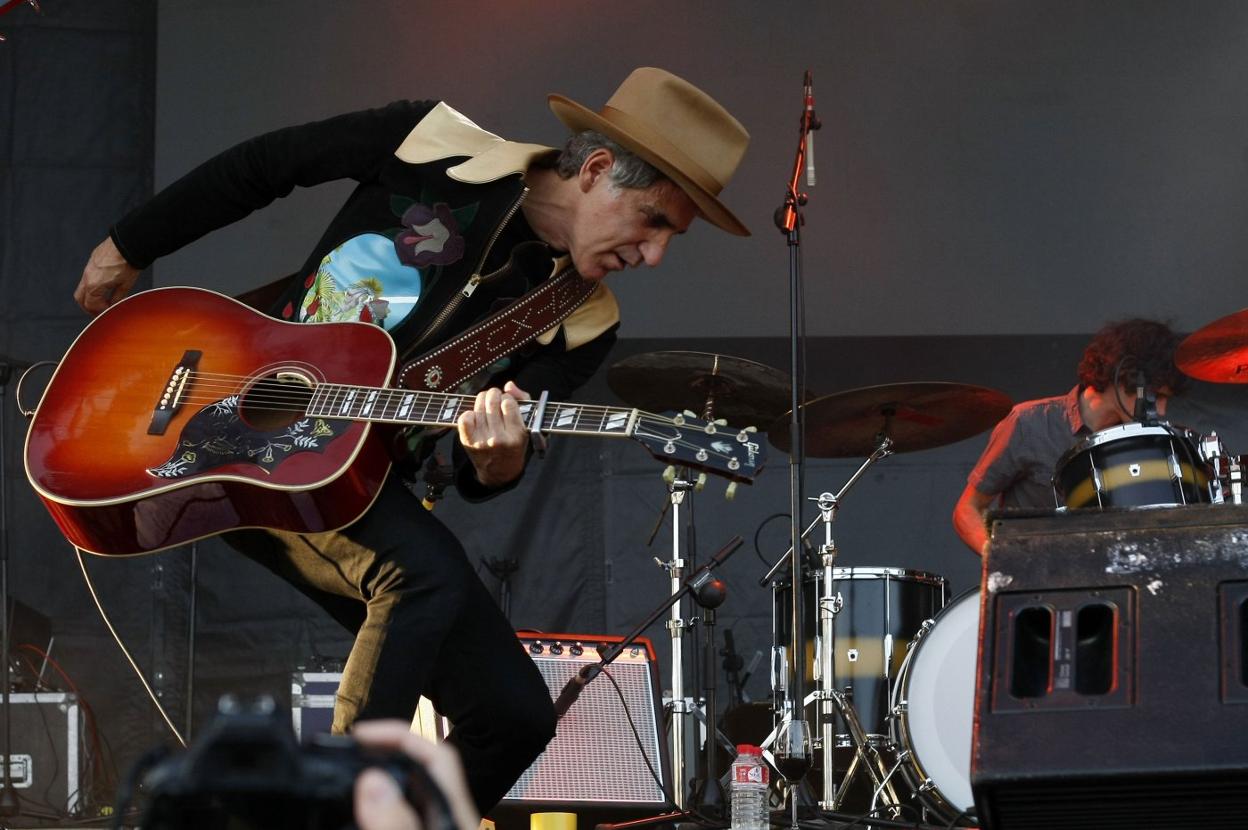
[[1218, 352], [916, 416], [742, 392]]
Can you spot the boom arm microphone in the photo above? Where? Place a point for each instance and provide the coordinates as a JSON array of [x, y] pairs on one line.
[[572, 689]]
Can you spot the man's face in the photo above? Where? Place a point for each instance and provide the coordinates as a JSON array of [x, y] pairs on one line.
[[614, 228]]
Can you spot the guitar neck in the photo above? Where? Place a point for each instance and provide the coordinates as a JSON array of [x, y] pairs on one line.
[[442, 409]]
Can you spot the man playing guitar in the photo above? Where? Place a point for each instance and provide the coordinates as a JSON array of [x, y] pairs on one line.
[[448, 223]]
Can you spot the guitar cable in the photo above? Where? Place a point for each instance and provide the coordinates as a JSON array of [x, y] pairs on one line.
[[95, 597]]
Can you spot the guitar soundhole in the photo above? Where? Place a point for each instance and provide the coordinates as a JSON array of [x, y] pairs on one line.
[[276, 400]]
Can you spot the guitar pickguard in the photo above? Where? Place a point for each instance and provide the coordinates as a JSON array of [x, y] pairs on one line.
[[217, 435]]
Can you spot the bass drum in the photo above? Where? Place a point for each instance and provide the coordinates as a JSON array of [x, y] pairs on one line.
[[933, 708]]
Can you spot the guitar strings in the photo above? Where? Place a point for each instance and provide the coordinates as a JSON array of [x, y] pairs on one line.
[[271, 394], [283, 394]]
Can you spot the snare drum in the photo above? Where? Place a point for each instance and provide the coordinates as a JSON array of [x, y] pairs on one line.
[[883, 608], [1134, 465], [933, 708]]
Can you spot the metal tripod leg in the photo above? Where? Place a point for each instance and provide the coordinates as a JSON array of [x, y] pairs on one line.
[[865, 753]]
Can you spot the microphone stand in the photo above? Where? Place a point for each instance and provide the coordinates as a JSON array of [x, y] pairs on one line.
[[793, 749], [10, 801]]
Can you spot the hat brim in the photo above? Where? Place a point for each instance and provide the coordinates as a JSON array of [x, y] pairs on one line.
[[577, 118]]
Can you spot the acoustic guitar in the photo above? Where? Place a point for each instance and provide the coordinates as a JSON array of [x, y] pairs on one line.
[[179, 413]]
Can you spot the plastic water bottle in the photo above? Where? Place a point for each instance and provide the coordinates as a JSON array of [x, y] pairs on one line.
[[749, 789]]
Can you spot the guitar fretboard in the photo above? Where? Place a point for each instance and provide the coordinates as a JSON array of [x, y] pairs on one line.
[[404, 406]]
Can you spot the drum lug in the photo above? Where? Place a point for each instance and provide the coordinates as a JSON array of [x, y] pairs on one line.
[[927, 786]]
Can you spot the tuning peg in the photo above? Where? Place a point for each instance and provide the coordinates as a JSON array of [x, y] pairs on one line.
[[744, 435], [669, 474], [730, 492], [700, 483], [720, 422]]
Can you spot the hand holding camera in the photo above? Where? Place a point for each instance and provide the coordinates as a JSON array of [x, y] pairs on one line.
[[248, 771]]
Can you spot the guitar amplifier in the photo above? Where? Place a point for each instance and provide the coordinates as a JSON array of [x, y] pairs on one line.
[[596, 766]]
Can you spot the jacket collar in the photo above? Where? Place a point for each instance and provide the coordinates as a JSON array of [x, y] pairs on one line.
[[445, 133]]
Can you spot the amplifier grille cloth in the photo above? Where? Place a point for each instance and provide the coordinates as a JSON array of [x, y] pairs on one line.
[[594, 756]]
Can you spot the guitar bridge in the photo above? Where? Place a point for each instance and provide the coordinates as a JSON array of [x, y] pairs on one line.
[[171, 395]]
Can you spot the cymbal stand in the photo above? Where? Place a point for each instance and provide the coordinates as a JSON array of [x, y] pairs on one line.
[[832, 701], [676, 625], [708, 597]]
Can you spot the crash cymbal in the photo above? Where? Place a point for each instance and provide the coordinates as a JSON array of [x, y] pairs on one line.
[[1217, 352], [917, 416], [742, 392]]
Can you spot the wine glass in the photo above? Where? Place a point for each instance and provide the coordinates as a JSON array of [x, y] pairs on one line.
[[793, 758]]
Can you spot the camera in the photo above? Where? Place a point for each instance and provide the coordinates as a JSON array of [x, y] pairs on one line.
[[248, 771]]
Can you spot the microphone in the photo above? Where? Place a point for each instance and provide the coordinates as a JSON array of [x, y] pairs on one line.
[[811, 124], [572, 689], [1145, 402]]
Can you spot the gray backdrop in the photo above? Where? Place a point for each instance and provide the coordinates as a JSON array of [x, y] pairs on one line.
[[995, 181]]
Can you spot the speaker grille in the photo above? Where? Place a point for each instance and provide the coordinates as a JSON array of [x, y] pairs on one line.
[[594, 756]]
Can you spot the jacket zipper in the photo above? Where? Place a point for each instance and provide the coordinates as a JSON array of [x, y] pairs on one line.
[[474, 281]]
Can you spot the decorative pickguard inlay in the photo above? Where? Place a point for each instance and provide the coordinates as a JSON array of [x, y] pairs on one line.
[[217, 435]]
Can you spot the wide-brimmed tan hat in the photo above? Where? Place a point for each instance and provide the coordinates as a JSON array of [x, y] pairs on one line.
[[675, 126]]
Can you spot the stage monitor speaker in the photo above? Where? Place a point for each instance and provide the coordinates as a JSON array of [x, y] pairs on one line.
[[596, 766], [1112, 687]]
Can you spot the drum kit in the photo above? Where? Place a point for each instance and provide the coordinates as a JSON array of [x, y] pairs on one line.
[[889, 656]]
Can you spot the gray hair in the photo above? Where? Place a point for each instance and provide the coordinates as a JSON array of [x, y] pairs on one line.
[[629, 170]]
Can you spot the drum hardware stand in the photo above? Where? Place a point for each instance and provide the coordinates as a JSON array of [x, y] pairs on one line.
[[832, 701], [708, 590], [680, 705]]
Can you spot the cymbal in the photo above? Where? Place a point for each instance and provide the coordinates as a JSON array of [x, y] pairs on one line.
[[1217, 352], [740, 391], [917, 416]]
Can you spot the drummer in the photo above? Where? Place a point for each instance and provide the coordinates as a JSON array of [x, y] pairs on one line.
[[1016, 469]]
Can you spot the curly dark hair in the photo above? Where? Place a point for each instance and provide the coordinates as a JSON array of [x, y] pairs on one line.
[[1128, 346]]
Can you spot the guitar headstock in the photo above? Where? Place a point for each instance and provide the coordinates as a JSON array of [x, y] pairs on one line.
[[712, 446]]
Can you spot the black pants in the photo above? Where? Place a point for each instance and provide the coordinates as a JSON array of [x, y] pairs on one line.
[[424, 624]]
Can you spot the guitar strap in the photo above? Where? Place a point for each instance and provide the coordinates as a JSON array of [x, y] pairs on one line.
[[500, 334]]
